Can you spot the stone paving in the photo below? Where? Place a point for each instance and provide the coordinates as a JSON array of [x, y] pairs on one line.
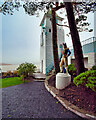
[[39, 76], [32, 100]]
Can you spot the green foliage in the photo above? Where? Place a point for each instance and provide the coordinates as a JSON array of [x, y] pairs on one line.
[[9, 73], [94, 67], [33, 8], [4, 74], [72, 69], [9, 7], [26, 68], [87, 79]]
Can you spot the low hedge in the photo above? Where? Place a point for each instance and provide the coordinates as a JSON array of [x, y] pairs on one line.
[[93, 67], [87, 79], [72, 69], [9, 74]]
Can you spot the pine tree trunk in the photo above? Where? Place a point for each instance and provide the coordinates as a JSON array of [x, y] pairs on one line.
[[79, 62], [23, 78], [54, 40]]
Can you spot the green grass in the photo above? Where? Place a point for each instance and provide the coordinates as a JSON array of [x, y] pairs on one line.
[[6, 82]]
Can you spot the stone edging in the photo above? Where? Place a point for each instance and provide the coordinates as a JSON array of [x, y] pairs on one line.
[[81, 112], [38, 80]]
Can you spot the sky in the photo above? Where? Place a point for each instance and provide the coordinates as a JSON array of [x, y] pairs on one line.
[[20, 37]]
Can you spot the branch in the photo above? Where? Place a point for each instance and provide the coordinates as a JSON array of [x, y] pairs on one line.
[[58, 7], [62, 25]]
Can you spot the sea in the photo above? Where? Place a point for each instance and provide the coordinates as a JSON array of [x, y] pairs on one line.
[[12, 67]]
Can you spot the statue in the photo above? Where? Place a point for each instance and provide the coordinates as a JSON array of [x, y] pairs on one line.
[[64, 62]]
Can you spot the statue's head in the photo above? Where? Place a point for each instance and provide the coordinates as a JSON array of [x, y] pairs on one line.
[[65, 45]]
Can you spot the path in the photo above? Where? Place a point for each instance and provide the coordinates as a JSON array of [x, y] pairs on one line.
[[32, 100]]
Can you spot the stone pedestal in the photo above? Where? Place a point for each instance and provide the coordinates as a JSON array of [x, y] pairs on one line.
[[62, 80]]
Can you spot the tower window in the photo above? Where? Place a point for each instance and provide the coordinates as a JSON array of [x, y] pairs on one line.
[[42, 39], [49, 30]]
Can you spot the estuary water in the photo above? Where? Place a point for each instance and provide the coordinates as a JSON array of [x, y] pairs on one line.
[[5, 68], [12, 67]]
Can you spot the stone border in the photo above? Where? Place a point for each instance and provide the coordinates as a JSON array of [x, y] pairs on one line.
[[81, 112], [38, 80]]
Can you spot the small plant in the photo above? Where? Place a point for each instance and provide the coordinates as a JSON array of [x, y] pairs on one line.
[[87, 79], [93, 67], [25, 69], [0, 72], [4, 74], [9, 73], [72, 69], [15, 73]]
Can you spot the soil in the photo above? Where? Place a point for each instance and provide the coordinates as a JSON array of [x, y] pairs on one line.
[[81, 96]]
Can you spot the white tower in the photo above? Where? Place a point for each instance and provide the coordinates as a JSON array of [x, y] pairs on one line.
[[46, 49]]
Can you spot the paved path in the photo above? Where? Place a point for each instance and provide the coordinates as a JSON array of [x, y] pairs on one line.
[[32, 100]]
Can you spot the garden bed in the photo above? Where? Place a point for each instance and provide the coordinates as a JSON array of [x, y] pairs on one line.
[[80, 96]]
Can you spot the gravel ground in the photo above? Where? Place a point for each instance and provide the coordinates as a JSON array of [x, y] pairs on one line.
[[32, 100]]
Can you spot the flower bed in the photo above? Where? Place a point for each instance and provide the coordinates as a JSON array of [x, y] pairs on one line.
[[9, 74]]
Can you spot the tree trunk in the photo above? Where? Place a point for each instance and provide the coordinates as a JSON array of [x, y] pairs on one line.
[[79, 62], [23, 77], [54, 40]]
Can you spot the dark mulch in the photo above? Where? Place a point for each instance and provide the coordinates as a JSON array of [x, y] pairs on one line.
[[29, 78], [80, 96]]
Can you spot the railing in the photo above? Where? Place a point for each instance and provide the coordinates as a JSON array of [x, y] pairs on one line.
[[50, 67], [88, 45], [89, 40]]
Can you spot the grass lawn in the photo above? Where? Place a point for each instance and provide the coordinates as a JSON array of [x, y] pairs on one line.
[[6, 82]]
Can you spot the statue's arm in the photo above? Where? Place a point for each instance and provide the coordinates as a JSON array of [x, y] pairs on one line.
[[69, 52]]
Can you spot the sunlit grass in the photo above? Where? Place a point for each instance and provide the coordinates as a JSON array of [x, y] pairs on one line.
[[6, 82]]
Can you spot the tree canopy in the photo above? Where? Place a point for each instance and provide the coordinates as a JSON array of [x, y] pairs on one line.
[[33, 8]]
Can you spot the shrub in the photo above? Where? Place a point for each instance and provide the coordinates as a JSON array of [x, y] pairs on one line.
[[0, 72], [4, 74], [94, 67], [87, 79], [72, 69], [9, 73], [15, 73], [26, 68]]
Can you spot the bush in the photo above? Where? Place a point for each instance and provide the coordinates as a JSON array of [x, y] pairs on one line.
[[94, 67], [9, 73], [0, 72], [26, 68], [87, 79], [4, 74], [72, 69], [15, 73]]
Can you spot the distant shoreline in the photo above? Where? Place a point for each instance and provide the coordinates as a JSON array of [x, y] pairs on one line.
[[5, 64], [11, 67], [17, 64]]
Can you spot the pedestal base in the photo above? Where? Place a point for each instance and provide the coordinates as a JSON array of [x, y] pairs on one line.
[[62, 80]]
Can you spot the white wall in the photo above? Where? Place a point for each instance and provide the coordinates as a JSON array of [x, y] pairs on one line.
[[95, 24], [46, 51], [49, 44], [43, 51]]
